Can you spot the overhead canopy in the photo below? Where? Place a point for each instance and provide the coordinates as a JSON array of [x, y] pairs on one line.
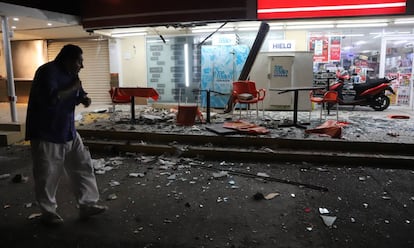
[[98, 14]]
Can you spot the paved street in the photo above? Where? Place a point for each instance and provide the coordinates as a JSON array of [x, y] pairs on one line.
[[175, 202]]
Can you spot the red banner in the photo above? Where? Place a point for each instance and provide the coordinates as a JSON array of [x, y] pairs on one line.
[[272, 9], [319, 45]]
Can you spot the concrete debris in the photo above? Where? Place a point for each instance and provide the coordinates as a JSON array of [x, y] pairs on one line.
[[4, 176], [352, 220], [323, 211], [166, 162], [266, 149], [328, 220], [172, 177], [112, 197], [116, 162], [292, 195], [222, 199], [365, 205], [262, 174], [271, 195], [114, 183], [164, 167], [34, 216], [321, 169], [136, 175], [386, 198], [362, 178], [28, 205], [153, 118], [147, 159], [98, 163], [220, 174], [167, 221]]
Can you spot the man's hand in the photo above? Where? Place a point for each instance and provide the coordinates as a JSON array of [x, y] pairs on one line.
[[86, 101]]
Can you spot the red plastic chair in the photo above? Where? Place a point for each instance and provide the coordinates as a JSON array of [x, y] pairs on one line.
[[327, 97], [245, 92]]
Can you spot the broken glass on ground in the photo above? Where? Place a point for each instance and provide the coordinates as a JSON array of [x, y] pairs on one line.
[[328, 220]]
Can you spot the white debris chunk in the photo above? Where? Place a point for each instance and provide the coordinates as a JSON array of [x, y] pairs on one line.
[[220, 174], [4, 176], [271, 195], [34, 216], [323, 211], [262, 174], [114, 183], [136, 175]]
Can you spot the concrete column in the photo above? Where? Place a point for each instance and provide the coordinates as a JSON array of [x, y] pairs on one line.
[[9, 68]]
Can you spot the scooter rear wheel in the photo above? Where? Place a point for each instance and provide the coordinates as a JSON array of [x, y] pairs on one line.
[[380, 103]]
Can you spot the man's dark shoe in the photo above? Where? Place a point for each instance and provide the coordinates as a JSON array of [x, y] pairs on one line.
[[51, 219], [86, 211]]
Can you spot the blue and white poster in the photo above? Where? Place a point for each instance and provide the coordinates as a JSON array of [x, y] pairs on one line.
[[220, 66]]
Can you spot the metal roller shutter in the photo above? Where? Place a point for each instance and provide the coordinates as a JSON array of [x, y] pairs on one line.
[[95, 74]]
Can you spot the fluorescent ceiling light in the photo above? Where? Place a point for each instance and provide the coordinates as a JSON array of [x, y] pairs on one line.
[[309, 23], [157, 41], [361, 42], [350, 35], [119, 35], [400, 42], [310, 26], [16, 19], [337, 7], [404, 21], [362, 25], [210, 30], [49, 24], [276, 27], [186, 65], [347, 48], [13, 27], [359, 21], [248, 29]]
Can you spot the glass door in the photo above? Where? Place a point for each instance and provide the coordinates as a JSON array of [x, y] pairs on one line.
[[397, 61]]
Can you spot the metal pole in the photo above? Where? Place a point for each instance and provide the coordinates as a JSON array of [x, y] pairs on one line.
[[9, 67]]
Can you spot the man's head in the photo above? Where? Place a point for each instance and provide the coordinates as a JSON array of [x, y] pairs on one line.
[[70, 57]]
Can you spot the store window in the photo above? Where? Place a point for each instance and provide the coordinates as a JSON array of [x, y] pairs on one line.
[[183, 65]]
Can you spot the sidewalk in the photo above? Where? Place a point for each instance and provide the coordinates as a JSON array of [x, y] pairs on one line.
[[364, 123]]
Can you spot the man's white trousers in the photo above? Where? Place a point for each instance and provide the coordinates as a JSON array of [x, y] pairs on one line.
[[51, 160]]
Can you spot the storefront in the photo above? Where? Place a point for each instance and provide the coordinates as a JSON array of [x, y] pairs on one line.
[[178, 59]]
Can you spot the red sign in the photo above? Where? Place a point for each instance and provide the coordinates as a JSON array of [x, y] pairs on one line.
[[335, 48], [275, 9]]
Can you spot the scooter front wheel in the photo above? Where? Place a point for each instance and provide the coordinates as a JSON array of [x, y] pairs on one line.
[[380, 103]]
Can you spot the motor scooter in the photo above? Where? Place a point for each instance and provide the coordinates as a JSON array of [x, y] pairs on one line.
[[371, 93]]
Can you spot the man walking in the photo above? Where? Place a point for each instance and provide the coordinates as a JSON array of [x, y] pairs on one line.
[[56, 145]]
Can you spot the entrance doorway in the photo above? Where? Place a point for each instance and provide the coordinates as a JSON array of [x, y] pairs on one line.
[[397, 54]]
